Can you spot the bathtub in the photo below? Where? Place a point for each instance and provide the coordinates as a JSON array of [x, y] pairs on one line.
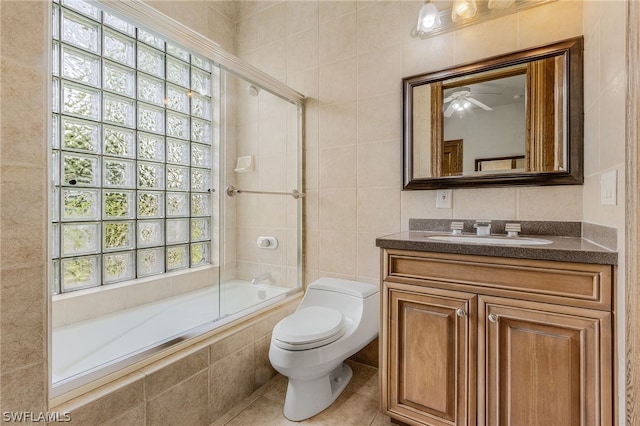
[[104, 342]]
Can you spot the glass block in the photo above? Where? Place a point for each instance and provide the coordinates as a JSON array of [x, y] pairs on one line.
[[200, 155], [200, 180], [80, 272], [177, 257], [177, 204], [79, 66], [177, 151], [55, 65], [201, 62], [178, 52], [150, 118], [119, 267], [177, 125], [118, 204], [177, 178], [83, 7], [55, 95], [83, 170], [119, 79], [55, 240], [118, 24], [119, 173], [80, 100], [118, 235], [80, 204], [150, 233], [201, 106], [200, 205], [118, 141], [80, 32], [150, 147], [200, 131], [55, 131], [150, 262], [200, 254], [55, 214], [55, 165], [55, 19], [177, 98], [150, 39], [80, 135], [201, 82], [80, 238], [200, 229], [119, 48], [150, 175], [150, 89], [150, 205], [150, 61], [178, 72], [119, 110], [55, 282], [177, 231]]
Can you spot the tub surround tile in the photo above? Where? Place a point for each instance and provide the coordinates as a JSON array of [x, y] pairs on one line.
[[230, 380], [16, 397], [159, 379], [102, 404], [185, 403], [262, 366], [231, 344], [133, 417], [278, 390]]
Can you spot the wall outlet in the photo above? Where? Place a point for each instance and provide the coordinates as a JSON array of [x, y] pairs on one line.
[[443, 198], [609, 188]]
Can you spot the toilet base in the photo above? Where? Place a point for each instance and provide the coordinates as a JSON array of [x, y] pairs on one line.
[[306, 398]]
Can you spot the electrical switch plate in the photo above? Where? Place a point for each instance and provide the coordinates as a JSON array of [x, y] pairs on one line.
[[609, 188], [443, 198]]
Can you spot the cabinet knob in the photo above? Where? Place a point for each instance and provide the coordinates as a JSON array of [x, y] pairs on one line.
[[493, 318], [461, 312]]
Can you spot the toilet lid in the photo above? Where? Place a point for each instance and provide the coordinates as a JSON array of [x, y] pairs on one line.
[[313, 324]]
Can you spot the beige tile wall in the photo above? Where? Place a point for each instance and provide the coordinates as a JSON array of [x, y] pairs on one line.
[[344, 56], [348, 58]]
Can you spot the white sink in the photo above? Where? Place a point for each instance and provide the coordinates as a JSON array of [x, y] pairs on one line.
[[502, 241]]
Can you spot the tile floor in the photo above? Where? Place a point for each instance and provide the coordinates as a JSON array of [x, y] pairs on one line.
[[357, 406]]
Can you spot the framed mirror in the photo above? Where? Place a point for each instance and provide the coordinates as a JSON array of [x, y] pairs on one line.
[[513, 119]]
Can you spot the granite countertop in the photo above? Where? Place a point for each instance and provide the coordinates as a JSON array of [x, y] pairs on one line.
[[562, 248]]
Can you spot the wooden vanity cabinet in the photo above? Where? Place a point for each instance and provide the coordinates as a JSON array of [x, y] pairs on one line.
[[474, 340]]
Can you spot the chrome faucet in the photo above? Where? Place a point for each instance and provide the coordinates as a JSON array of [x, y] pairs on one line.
[[483, 228], [257, 279]]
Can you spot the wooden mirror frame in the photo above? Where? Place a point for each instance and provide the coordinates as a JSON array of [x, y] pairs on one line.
[[572, 51]]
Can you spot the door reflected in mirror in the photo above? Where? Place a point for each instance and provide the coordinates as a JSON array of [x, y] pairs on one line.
[[513, 119]]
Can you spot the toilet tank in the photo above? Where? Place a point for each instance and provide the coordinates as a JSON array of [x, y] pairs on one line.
[[349, 297]]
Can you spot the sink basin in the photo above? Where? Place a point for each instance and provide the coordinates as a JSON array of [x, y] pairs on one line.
[[501, 241]]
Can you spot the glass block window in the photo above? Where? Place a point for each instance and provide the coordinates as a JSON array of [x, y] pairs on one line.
[[132, 131]]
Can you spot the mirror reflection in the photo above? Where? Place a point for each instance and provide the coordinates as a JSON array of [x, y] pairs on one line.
[[505, 117]]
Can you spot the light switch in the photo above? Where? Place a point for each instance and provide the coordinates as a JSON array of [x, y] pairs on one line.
[[609, 188]]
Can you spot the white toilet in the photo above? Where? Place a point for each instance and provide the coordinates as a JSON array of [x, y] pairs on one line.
[[335, 319]]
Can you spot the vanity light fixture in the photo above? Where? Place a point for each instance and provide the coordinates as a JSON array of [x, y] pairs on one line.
[[464, 13], [463, 9], [428, 19]]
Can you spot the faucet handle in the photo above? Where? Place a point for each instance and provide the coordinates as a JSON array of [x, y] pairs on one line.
[[456, 228], [512, 229]]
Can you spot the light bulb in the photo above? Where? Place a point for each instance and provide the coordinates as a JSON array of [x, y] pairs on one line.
[[463, 9], [428, 19], [466, 104]]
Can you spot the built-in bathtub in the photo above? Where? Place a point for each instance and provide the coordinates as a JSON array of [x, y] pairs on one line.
[[102, 343]]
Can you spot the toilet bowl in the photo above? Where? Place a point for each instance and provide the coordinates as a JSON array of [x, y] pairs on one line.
[[335, 319]]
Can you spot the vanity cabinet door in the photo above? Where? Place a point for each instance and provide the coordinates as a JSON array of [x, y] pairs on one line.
[[543, 365], [429, 357]]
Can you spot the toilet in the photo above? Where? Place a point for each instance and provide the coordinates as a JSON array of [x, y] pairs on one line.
[[335, 319]]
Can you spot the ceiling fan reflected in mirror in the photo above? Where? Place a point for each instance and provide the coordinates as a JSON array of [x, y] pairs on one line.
[[461, 100]]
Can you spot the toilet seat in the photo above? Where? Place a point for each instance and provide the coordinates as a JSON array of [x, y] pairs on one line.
[[309, 328]]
